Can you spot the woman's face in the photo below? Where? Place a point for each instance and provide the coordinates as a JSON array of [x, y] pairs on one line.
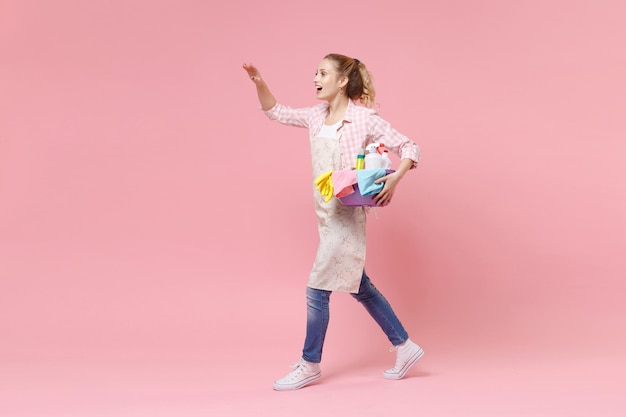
[[327, 80]]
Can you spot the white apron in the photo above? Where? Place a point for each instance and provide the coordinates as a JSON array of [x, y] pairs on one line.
[[340, 255]]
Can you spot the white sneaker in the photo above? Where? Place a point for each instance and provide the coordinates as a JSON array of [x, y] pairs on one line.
[[302, 374], [407, 354]]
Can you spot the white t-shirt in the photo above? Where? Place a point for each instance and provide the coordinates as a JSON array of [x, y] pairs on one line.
[[329, 131]]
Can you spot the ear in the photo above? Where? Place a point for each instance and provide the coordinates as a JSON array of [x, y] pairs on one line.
[[343, 81]]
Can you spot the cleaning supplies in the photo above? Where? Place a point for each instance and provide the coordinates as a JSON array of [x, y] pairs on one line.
[[324, 183], [343, 181], [360, 159], [373, 159], [366, 180], [386, 159]]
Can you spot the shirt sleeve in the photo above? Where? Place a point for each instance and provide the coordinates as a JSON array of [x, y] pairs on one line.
[[381, 131], [298, 117]]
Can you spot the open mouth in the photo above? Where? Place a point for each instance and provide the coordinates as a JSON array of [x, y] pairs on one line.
[[318, 88]]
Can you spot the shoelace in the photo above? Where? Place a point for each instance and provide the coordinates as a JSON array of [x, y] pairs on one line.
[[399, 363], [298, 366], [296, 369]]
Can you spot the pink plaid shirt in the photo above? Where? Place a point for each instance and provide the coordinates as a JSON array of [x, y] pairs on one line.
[[361, 126]]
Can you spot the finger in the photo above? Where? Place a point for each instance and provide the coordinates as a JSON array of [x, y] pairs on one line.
[[383, 199]]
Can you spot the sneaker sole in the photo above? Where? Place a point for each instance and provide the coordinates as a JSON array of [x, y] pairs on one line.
[[301, 384], [406, 366]]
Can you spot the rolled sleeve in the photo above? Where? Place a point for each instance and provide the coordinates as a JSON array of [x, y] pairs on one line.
[[298, 117], [393, 140], [410, 150], [271, 113]]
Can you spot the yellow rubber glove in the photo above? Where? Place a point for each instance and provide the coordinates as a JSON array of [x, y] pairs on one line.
[[324, 183]]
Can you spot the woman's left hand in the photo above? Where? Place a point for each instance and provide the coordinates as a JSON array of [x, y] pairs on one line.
[[391, 182]]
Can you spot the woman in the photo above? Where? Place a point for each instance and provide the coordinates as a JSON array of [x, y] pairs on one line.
[[338, 128]]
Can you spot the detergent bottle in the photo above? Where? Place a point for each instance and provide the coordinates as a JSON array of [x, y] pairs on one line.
[[386, 159], [373, 159], [360, 159]]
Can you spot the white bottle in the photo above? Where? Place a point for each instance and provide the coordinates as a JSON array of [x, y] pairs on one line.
[[386, 160], [373, 160]]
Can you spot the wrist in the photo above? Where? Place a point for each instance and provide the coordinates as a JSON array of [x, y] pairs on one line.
[[405, 166]]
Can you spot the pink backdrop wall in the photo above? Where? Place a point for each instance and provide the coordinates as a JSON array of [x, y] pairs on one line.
[[146, 205]]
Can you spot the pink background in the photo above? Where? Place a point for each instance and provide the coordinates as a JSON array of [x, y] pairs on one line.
[[156, 230]]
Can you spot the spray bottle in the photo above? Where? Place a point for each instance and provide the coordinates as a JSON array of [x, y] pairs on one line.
[[386, 159], [384, 154], [373, 159]]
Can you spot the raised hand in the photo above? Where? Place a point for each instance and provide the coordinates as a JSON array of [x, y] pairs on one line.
[[266, 98], [253, 73]]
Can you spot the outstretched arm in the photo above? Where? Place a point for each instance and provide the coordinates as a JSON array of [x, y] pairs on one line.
[[266, 98]]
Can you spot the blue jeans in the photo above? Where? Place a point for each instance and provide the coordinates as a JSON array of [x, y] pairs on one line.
[[318, 316]]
